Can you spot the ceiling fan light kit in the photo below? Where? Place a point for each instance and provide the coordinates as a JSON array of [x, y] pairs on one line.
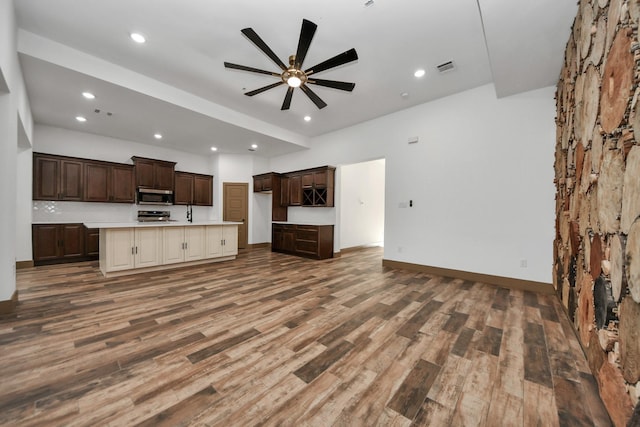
[[293, 75]]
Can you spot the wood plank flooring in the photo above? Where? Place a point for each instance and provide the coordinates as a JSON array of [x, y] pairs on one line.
[[270, 339]]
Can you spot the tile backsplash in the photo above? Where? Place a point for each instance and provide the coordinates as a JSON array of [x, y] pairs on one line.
[[57, 212]]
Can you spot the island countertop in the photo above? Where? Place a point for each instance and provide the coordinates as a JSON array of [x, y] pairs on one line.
[[137, 224]]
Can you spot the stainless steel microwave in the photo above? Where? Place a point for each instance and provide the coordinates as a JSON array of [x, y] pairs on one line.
[[149, 196]]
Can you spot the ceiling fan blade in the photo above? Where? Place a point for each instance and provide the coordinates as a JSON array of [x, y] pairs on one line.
[[262, 89], [287, 99], [333, 84], [306, 35], [340, 59], [251, 69], [312, 96], [255, 39]]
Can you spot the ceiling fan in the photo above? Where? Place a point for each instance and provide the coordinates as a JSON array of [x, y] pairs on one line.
[[293, 75]]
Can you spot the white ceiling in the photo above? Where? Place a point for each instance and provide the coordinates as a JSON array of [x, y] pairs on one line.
[[176, 83]]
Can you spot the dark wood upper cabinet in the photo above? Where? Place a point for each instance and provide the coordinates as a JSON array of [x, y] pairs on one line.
[[123, 183], [57, 178], [295, 190], [144, 172], [317, 186], [107, 182], [164, 176], [183, 192], [71, 180], [156, 174], [203, 190], [284, 191], [263, 182], [96, 178], [193, 189]]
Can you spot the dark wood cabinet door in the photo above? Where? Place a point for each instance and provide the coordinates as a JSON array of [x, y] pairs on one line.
[[267, 182], [96, 182], [183, 193], [257, 184], [307, 180], [72, 243], [320, 178], [144, 173], [284, 191], [46, 242], [92, 242], [289, 241], [203, 190], [71, 179], [163, 176], [295, 190], [122, 184], [46, 178]]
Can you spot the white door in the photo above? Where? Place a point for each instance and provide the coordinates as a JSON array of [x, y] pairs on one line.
[[147, 248], [172, 245], [120, 248], [229, 240], [195, 242], [214, 241]]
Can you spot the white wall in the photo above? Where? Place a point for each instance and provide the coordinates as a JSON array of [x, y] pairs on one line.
[[15, 131], [362, 204], [480, 178]]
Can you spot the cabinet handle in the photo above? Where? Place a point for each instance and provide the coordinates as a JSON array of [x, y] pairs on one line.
[[136, 250], [132, 252], [186, 245]]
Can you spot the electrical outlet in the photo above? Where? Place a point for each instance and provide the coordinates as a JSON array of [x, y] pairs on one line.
[[399, 249], [523, 263]]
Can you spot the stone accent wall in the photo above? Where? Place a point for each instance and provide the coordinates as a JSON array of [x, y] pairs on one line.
[[597, 177]]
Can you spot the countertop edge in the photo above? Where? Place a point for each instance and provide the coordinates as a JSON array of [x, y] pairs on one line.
[[135, 224]]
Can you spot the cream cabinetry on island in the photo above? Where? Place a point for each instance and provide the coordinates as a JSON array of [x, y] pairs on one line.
[[182, 244], [132, 247], [128, 248], [222, 241]]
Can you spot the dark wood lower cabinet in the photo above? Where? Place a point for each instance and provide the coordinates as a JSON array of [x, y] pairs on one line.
[[310, 241], [60, 243]]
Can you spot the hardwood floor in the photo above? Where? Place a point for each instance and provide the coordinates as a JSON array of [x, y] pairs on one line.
[[271, 339]]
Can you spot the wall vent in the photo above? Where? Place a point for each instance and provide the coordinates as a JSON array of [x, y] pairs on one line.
[[446, 67]]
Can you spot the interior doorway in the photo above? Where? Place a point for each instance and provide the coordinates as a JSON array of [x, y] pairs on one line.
[[362, 188], [235, 207]]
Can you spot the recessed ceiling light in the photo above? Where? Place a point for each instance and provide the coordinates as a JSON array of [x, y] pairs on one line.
[[368, 3], [157, 136], [307, 118], [81, 119], [404, 94], [88, 95], [254, 146], [419, 73], [138, 38], [214, 148]]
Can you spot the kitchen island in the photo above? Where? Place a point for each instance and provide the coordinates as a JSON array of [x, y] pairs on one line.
[[135, 247]]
